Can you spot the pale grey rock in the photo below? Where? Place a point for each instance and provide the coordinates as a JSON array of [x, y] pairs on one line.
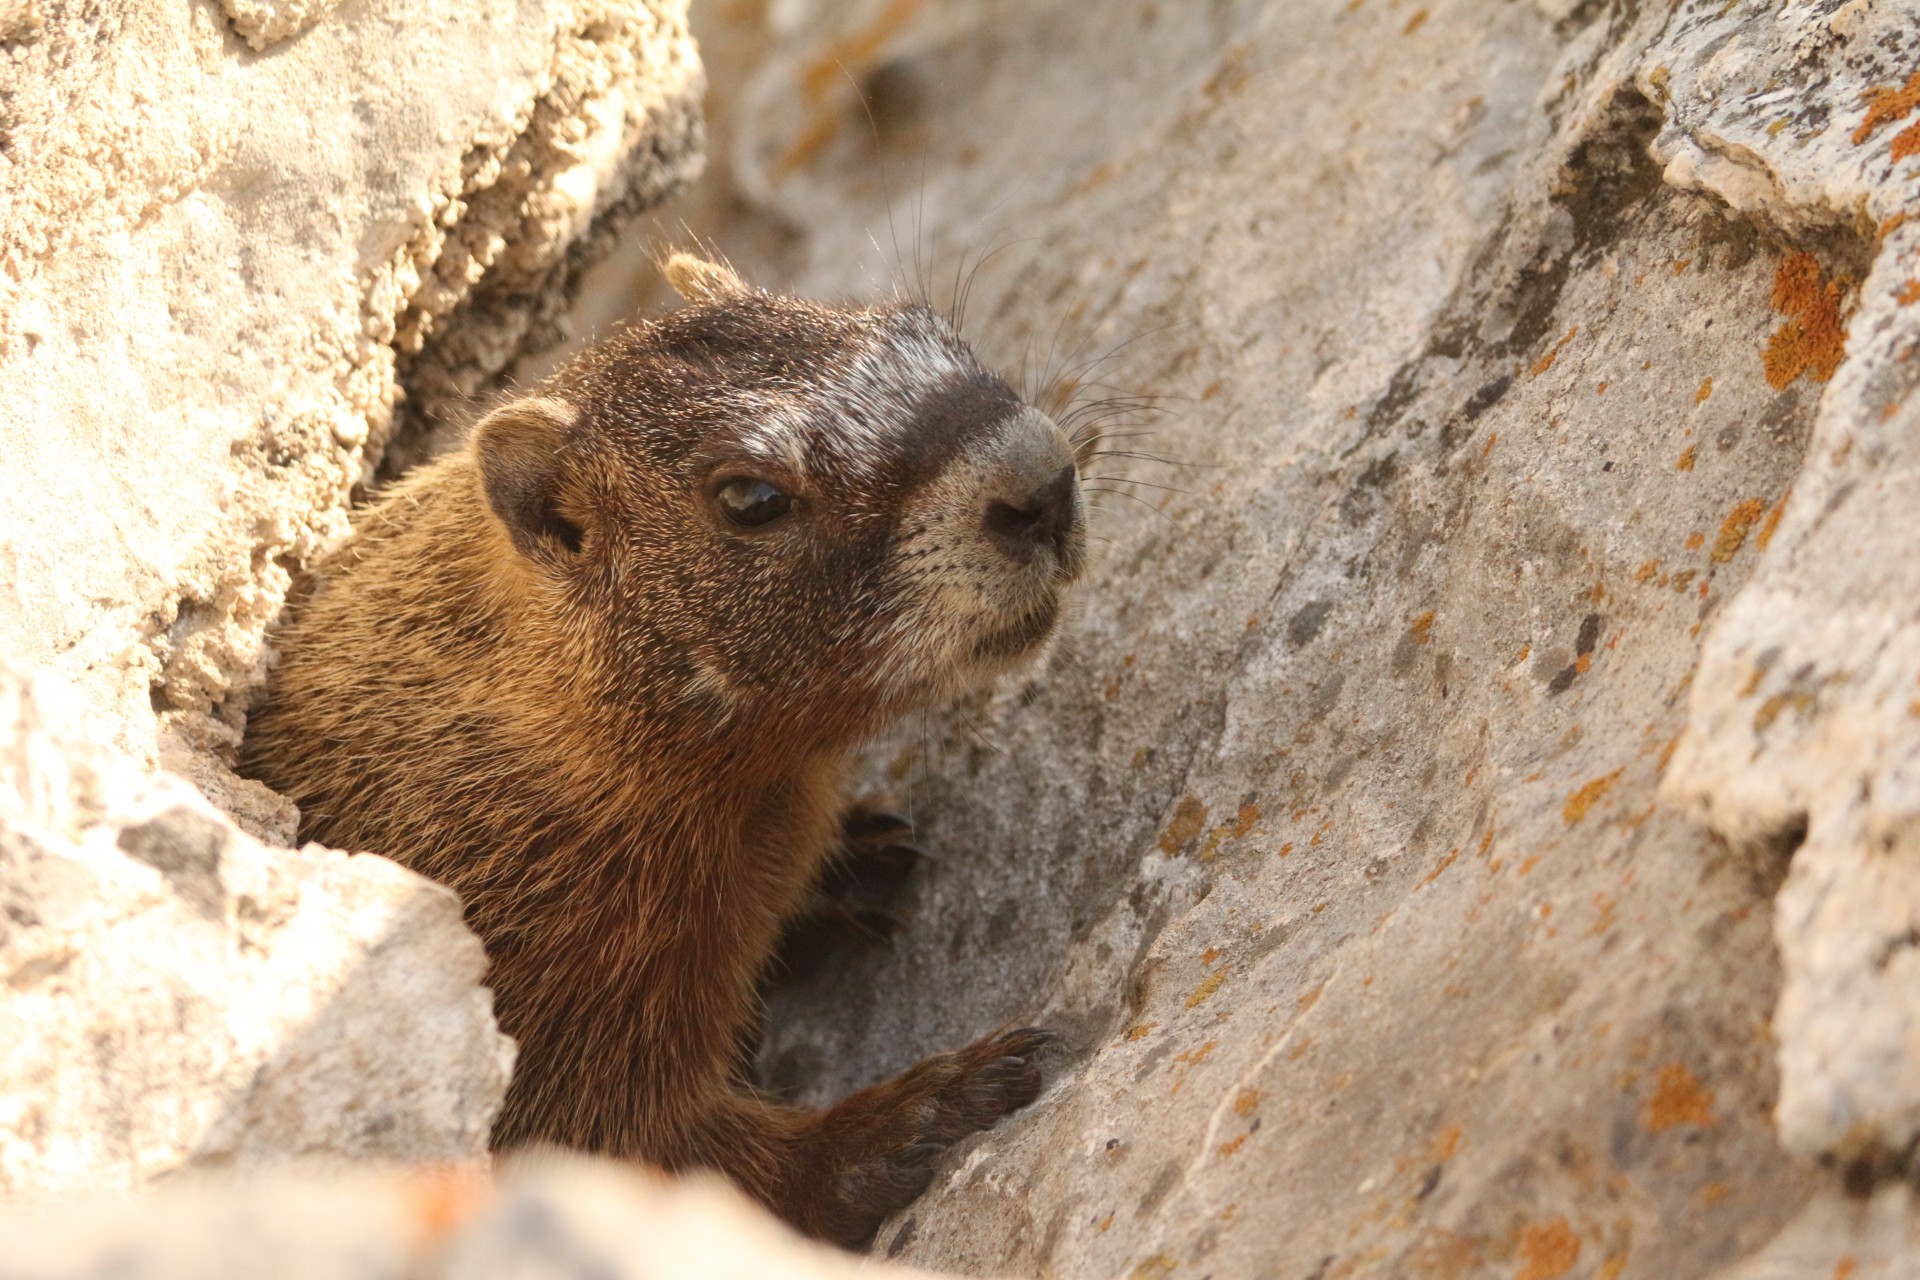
[[1805, 716], [173, 994], [544, 1220], [1336, 838]]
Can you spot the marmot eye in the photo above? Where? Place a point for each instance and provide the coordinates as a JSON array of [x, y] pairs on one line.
[[751, 503]]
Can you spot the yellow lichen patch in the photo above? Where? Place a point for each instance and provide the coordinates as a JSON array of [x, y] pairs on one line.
[[1208, 985], [1548, 1251], [1706, 389], [1735, 528], [1794, 699], [1157, 1267], [1582, 801], [1812, 339], [1611, 1268], [1884, 106], [1189, 817], [1678, 1101]]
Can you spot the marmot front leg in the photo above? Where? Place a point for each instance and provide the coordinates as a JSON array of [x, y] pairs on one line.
[[846, 1169]]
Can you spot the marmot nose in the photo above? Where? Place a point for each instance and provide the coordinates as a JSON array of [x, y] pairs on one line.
[[1044, 518]]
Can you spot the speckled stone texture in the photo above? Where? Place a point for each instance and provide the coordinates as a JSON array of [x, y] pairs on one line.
[[1407, 836], [227, 279]]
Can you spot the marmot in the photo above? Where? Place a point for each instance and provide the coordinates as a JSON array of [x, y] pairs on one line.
[[600, 672]]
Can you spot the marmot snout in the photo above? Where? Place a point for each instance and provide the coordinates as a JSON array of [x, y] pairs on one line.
[[601, 670]]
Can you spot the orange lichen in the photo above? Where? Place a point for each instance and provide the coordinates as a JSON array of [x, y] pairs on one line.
[[1422, 627], [1884, 106], [1908, 294], [1812, 339], [1772, 521], [441, 1197], [1735, 528], [1695, 541], [1189, 819], [1140, 1030], [1844, 1267], [1706, 389], [1582, 801], [1545, 362], [1679, 1100], [1549, 1251], [1246, 1102], [1442, 865], [1414, 23]]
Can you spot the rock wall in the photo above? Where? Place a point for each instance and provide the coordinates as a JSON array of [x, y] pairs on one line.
[[243, 251], [1468, 829]]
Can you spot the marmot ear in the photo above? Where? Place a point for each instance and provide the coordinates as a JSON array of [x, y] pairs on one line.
[[698, 280], [523, 467]]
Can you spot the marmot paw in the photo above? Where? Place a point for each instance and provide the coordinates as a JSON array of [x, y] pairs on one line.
[[885, 1141]]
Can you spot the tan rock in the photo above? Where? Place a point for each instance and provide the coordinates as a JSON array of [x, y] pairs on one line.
[[173, 994]]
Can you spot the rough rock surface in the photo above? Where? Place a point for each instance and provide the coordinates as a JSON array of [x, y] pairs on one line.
[[1398, 834], [221, 271], [566, 1220], [175, 994]]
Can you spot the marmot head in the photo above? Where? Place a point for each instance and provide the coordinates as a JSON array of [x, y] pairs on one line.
[[776, 506]]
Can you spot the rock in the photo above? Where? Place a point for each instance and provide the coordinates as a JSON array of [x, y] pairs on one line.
[[173, 994], [1393, 837], [221, 272], [232, 280], [567, 1220], [1805, 716]]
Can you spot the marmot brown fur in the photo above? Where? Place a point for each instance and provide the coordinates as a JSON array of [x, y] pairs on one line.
[[600, 672]]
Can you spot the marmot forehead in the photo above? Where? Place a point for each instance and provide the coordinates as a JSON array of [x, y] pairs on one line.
[[833, 392]]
